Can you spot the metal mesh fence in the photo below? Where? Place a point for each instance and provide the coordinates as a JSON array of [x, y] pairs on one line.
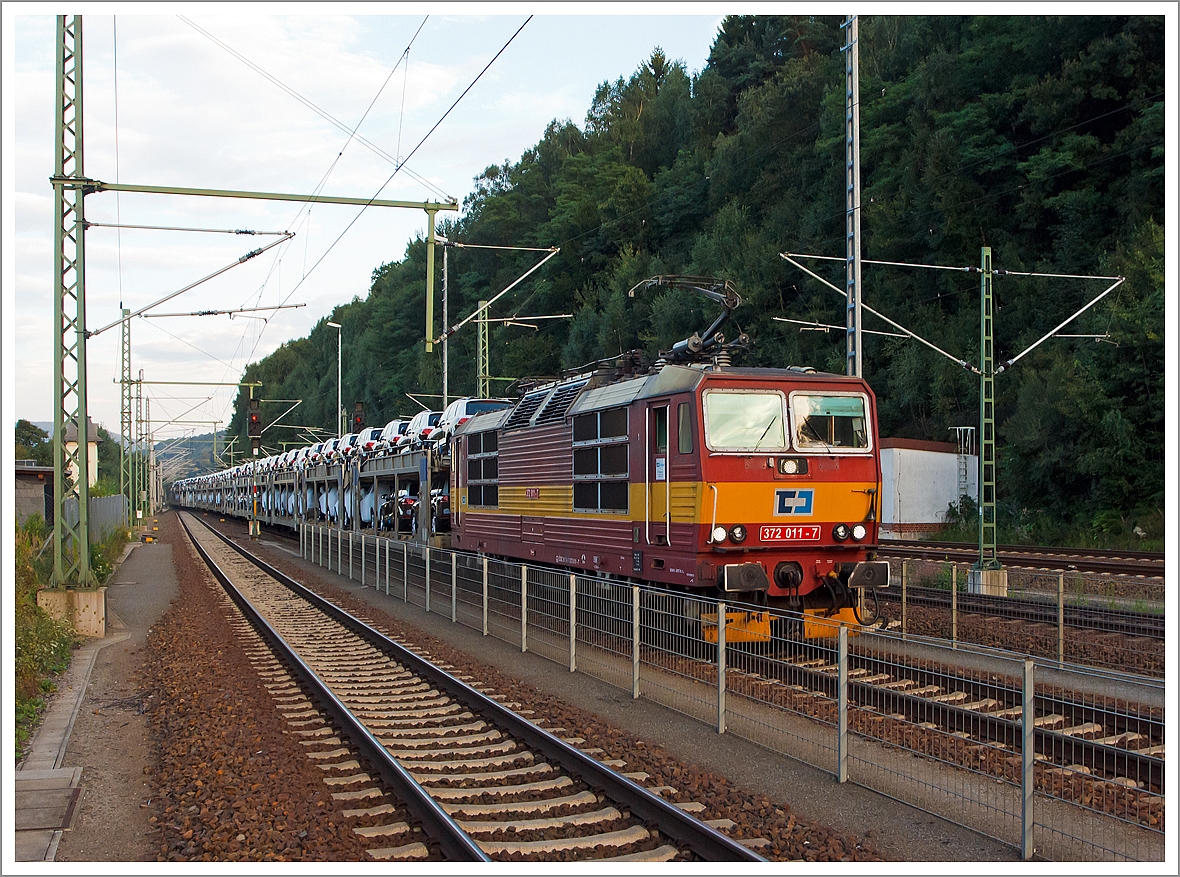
[[1060, 761]]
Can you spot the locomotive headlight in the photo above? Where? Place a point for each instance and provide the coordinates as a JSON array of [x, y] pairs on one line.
[[737, 533], [792, 465], [859, 532], [840, 532], [718, 534]]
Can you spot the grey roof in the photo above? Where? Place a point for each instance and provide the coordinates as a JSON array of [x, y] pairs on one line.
[[71, 434]]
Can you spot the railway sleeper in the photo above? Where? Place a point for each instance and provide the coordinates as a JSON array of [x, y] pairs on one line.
[[596, 817], [386, 830], [350, 780], [621, 838], [416, 724], [431, 781], [1086, 730], [504, 746], [470, 763], [984, 705], [396, 732], [361, 813], [416, 850], [416, 745], [580, 799], [1126, 740]]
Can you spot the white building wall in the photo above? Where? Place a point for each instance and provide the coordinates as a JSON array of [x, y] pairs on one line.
[[917, 486], [91, 463]]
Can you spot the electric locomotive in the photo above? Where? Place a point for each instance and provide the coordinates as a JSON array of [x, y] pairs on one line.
[[758, 485]]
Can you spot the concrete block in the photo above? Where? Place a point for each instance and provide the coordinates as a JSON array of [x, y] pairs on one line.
[[85, 609], [988, 581]]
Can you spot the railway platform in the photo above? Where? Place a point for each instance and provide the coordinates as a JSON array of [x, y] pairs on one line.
[[66, 772]]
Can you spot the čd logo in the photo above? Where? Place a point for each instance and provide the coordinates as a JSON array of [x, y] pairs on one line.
[[793, 501]]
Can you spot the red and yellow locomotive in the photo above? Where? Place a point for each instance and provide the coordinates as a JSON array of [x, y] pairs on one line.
[[758, 485]]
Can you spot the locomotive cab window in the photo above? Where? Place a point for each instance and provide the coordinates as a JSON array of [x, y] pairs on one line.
[[830, 421], [745, 420]]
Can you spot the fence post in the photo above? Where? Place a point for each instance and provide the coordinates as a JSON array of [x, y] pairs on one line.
[[426, 553], [301, 556], [1027, 759], [387, 541], [319, 532], [524, 607], [573, 619], [485, 595], [1061, 620], [405, 572], [454, 587], [954, 605], [904, 577], [842, 707], [362, 556], [721, 668], [635, 641], [349, 554]]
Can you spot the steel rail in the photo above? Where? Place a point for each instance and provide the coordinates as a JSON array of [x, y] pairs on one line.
[[1126, 563], [702, 839], [1115, 553], [454, 842]]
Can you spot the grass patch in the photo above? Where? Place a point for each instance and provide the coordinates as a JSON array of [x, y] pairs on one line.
[[45, 645]]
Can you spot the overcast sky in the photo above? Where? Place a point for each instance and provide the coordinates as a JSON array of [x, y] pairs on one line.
[[191, 113]]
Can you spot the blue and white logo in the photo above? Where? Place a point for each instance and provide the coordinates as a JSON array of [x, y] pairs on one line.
[[793, 501]]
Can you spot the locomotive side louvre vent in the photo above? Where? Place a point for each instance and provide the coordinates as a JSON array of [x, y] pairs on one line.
[[524, 410], [559, 403]]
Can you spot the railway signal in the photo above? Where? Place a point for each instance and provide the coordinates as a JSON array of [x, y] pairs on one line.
[[254, 426], [358, 417]]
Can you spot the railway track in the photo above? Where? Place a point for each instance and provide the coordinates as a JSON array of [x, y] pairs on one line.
[[1148, 564], [1089, 749], [1083, 617], [438, 768]]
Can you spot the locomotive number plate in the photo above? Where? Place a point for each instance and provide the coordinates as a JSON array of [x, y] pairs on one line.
[[800, 533]]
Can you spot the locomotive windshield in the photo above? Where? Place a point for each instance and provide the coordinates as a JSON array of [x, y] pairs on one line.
[[744, 420], [829, 421]]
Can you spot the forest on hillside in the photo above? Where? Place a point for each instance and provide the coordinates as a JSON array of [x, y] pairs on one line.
[[1040, 137]]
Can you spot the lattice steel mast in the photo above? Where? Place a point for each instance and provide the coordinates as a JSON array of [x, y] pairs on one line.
[[854, 364], [126, 470], [71, 541], [988, 558], [140, 479]]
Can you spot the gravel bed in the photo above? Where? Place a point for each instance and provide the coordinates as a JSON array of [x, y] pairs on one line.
[[755, 816], [230, 783]]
